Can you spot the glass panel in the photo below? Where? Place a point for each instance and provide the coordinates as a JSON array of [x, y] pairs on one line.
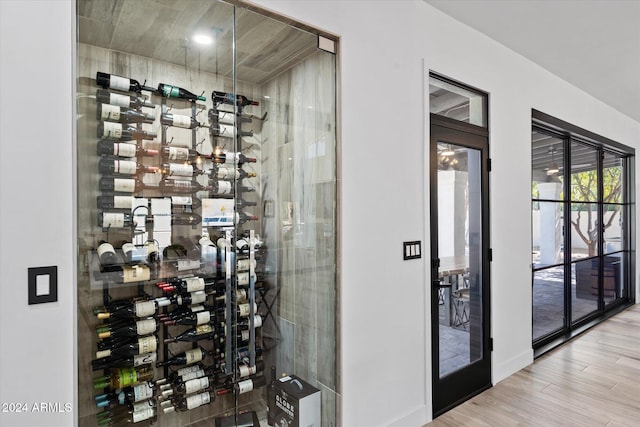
[[548, 236], [584, 287], [547, 165], [584, 173], [612, 176], [214, 234], [548, 301], [614, 276], [456, 102], [613, 231], [459, 249], [584, 230]]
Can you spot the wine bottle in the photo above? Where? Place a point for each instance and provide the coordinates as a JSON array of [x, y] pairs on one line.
[[122, 377], [180, 169], [245, 264], [189, 284], [229, 98], [244, 386], [121, 185], [170, 91], [108, 165], [142, 345], [131, 309], [187, 203], [189, 298], [123, 149], [123, 132], [180, 121], [131, 417], [122, 409], [231, 173], [200, 332], [111, 81], [175, 186], [244, 370], [222, 188], [106, 254], [138, 328], [227, 131], [193, 319], [187, 218], [147, 253], [189, 357], [124, 361], [178, 376], [129, 394], [126, 101], [182, 154], [114, 113], [242, 217], [115, 202], [186, 403], [230, 157], [191, 386], [115, 220]]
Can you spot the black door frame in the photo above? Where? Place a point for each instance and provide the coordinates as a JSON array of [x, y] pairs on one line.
[[461, 385]]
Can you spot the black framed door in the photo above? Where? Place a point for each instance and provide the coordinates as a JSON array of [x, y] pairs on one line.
[[460, 304]]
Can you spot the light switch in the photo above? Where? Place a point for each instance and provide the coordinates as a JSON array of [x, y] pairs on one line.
[[412, 250]]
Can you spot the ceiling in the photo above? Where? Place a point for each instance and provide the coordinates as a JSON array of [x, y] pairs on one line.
[[162, 29], [593, 44]]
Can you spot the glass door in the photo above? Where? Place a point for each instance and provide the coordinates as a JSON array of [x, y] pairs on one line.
[[459, 230]]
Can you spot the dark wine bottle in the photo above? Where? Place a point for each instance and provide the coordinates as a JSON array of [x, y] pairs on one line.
[[193, 319], [244, 386], [242, 217], [200, 332], [115, 220], [142, 345], [123, 377], [123, 132], [180, 169], [189, 357], [232, 173], [138, 328], [106, 254], [182, 374], [178, 120], [222, 188], [126, 101], [187, 403], [175, 186], [123, 167], [229, 98], [114, 113], [121, 185], [122, 149], [230, 157], [189, 298], [115, 202], [111, 81], [182, 154], [130, 417], [131, 309], [170, 91], [129, 394], [124, 361]]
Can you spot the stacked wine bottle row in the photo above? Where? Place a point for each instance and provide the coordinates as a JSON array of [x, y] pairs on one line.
[[196, 316]]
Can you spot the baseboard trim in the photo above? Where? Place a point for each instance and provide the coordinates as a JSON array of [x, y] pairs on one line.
[[511, 366], [418, 417]]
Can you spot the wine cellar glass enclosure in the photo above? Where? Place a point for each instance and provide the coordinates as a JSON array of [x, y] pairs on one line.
[[206, 216]]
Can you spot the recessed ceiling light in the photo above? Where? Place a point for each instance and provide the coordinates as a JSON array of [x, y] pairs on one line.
[[202, 39]]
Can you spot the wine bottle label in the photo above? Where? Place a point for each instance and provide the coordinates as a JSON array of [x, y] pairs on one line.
[[203, 329], [152, 250], [110, 112], [226, 130], [105, 248], [245, 370], [119, 100], [198, 400], [241, 295], [145, 359], [203, 317], [145, 414], [199, 307], [147, 344], [187, 264], [243, 310], [245, 386], [181, 200], [142, 392], [191, 375], [224, 187], [127, 376], [193, 356], [187, 369], [198, 297], [171, 91], [257, 321], [112, 130], [178, 153], [244, 335], [196, 384], [141, 406], [243, 278], [225, 117], [103, 353], [194, 284], [137, 273], [124, 185], [180, 170], [122, 202], [246, 264], [227, 173], [114, 220], [124, 166], [242, 244], [145, 308], [124, 150], [146, 327], [182, 121], [119, 83]]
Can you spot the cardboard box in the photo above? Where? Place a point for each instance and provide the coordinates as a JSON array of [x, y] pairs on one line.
[[296, 403]]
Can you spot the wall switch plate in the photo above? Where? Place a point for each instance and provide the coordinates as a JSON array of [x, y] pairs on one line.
[[43, 284], [412, 250]]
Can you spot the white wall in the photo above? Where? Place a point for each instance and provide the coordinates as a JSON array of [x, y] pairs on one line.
[[36, 210], [385, 47]]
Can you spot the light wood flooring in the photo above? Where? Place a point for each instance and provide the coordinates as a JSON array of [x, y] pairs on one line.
[[593, 380]]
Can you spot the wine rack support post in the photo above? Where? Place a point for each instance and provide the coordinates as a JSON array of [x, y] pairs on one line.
[[229, 308]]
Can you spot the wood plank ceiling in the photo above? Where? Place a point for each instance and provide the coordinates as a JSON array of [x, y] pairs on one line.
[[162, 29]]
